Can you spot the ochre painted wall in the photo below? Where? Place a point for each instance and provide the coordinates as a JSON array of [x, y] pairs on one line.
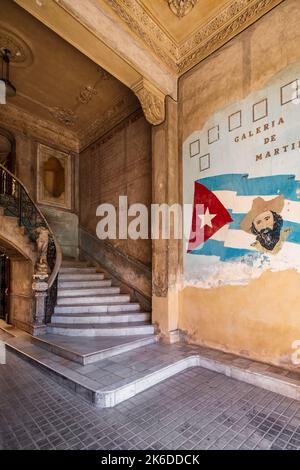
[[262, 318]]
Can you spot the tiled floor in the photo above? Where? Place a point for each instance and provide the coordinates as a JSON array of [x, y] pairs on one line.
[[195, 409]]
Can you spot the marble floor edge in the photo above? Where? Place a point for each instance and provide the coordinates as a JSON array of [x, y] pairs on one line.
[[156, 370]]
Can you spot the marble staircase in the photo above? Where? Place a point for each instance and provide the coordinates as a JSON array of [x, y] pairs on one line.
[[89, 305]]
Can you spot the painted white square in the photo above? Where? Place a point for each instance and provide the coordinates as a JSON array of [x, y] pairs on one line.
[[213, 134], [235, 121], [204, 162], [289, 92], [195, 148], [260, 110]]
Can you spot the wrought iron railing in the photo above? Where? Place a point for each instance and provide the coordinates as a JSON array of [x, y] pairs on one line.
[[15, 200]]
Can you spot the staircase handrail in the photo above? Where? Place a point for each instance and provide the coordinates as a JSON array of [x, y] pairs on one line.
[[58, 257]]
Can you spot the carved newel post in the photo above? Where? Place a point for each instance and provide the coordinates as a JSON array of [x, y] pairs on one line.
[[40, 284]]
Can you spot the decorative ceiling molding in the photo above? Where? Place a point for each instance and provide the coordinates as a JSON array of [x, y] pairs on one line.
[[235, 16], [119, 110], [20, 53], [142, 24], [86, 93], [16, 118], [64, 116], [152, 101], [181, 8]]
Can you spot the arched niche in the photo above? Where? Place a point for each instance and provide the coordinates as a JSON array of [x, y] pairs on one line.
[[54, 177]]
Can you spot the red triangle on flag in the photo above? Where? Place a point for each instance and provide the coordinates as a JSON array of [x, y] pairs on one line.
[[209, 215]]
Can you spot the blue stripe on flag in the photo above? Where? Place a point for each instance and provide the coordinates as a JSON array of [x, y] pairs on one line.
[[217, 248], [262, 186]]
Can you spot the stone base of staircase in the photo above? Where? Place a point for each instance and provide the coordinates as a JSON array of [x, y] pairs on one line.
[[85, 351], [117, 377]]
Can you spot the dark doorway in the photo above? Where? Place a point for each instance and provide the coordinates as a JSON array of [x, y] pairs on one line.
[[4, 286]]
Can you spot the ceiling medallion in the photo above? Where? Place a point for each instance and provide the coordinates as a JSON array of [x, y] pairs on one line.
[[64, 115], [20, 53], [181, 8]]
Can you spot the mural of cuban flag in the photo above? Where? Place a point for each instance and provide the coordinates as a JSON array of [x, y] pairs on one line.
[[242, 185]]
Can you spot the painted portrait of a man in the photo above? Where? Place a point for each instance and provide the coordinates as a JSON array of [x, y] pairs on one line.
[[265, 222]]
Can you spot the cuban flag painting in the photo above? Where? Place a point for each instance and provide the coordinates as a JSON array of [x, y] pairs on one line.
[[241, 185], [239, 220]]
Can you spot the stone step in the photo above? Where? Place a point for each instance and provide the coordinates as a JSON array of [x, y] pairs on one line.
[[79, 292], [96, 349], [80, 277], [99, 299], [79, 284], [77, 270], [113, 317], [92, 308], [116, 329], [74, 264]]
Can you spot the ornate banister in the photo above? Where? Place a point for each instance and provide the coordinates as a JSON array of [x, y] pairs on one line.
[[16, 201]]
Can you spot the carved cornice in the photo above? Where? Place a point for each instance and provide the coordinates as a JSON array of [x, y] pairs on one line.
[[141, 23], [231, 20], [16, 118], [181, 8], [152, 101], [29, 124], [235, 16], [121, 108]]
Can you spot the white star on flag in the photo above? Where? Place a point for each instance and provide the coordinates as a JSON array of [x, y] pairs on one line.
[[206, 218]]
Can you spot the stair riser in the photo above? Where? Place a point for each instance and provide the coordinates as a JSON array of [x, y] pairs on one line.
[[101, 319], [97, 356], [97, 308], [71, 264], [82, 284], [81, 277], [77, 270], [87, 292], [106, 299], [129, 331]]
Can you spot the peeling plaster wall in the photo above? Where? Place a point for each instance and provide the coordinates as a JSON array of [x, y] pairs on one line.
[[259, 319], [118, 164]]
